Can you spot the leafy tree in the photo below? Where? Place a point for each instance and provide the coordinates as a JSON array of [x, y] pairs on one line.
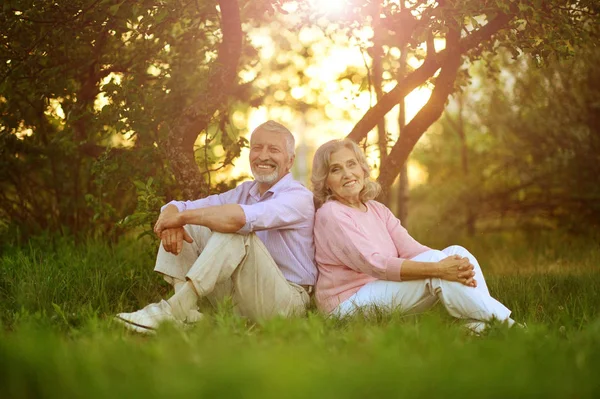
[[533, 137], [94, 93], [544, 30]]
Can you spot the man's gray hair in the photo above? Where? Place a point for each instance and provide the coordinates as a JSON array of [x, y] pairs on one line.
[[272, 126]]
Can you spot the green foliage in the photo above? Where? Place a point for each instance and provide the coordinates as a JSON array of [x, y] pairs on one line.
[[296, 358], [57, 338], [530, 153], [147, 210], [64, 283], [88, 90]]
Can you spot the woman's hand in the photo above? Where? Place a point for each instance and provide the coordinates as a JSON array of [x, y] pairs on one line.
[[457, 268]]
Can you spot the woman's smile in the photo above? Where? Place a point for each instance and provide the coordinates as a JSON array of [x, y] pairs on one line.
[[346, 178]]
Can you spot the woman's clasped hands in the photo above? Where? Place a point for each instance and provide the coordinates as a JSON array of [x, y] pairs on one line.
[[456, 268]]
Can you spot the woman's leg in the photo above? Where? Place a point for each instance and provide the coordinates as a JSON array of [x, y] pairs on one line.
[[468, 302], [458, 250], [419, 295], [407, 296]]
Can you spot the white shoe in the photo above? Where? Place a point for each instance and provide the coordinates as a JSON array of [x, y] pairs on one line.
[[194, 316], [134, 328], [148, 319], [475, 327]]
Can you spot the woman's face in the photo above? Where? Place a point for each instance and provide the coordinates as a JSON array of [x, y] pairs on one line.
[[345, 178]]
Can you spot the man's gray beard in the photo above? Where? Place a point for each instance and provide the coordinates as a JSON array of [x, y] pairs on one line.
[[267, 179]]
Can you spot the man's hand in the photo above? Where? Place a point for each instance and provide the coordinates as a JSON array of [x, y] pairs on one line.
[[172, 239], [169, 228], [457, 268], [170, 218]]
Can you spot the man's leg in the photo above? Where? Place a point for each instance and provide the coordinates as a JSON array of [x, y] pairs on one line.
[[216, 262], [259, 289], [175, 267], [183, 305], [243, 266]]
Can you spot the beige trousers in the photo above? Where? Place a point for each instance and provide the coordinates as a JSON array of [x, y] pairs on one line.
[[231, 265]]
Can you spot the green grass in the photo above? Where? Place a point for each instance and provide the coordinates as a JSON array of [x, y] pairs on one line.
[[57, 338]]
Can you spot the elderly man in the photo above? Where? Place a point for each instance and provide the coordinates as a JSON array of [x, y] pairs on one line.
[[253, 243]]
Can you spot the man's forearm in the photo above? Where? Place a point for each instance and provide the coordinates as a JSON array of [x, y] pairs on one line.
[[170, 209], [228, 218]]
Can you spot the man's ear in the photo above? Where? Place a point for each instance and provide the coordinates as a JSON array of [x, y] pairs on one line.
[[291, 162]]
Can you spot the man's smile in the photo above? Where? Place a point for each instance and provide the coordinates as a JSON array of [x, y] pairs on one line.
[[265, 166]]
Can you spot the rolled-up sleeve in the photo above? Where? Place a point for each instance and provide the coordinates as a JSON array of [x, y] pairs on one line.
[[283, 211], [228, 197], [406, 245], [352, 247]]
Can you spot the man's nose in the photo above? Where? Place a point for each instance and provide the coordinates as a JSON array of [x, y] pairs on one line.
[[264, 154]]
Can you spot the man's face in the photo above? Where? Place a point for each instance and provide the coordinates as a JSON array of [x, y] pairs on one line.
[[269, 159]]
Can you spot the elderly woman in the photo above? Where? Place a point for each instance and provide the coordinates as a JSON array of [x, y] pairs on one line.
[[366, 258]]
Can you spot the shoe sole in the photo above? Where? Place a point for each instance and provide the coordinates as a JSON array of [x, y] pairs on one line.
[[149, 330], [135, 327]]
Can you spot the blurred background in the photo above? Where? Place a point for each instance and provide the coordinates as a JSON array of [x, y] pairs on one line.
[[478, 117]]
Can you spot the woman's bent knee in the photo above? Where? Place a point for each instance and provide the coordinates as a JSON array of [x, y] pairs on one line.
[[456, 250], [432, 255]]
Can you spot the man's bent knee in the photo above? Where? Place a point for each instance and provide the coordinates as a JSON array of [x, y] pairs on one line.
[[200, 234]]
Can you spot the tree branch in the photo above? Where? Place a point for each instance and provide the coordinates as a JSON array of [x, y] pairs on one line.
[[419, 76], [221, 81], [425, 117], [222, 75]]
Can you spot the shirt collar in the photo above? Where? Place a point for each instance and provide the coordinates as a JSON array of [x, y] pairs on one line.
[[281, 184]]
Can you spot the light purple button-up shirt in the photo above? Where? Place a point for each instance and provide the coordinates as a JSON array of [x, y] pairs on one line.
[[283, 219]]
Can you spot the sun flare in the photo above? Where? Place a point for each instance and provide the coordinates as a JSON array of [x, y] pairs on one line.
[[329, 7], [335, 100]]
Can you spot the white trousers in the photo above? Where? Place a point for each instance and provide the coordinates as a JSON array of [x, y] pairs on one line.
[[237, 266], [417, 296]]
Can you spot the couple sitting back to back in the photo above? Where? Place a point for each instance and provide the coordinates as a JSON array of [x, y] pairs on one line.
[[255, 245]]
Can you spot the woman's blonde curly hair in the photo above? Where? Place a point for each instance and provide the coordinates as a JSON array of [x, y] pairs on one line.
[[320, 171]]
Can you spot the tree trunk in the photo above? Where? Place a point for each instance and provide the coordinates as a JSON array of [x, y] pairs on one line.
[[196, 118], [430, 112], [449, 61], [470, 217], [382, 140], [402, 194]]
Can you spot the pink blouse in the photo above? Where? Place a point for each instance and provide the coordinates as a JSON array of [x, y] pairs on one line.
[[354, 248]]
